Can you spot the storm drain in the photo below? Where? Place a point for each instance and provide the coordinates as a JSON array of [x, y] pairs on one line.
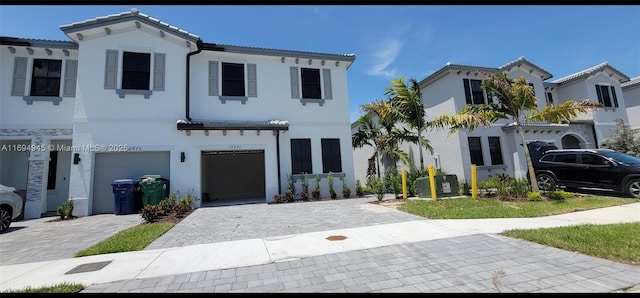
[[336, 238], [88, 267]]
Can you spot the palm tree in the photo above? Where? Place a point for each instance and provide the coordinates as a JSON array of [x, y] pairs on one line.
[[517, 102], [408, 102], [368, 134]]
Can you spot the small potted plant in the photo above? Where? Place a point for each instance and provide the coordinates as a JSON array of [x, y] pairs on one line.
[[332, 192], [315, 192], [359, 190], [277, 198], [346, 190]]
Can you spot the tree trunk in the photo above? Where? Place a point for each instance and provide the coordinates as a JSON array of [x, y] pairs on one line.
[[420, 148], [531, 170], [378, 163]]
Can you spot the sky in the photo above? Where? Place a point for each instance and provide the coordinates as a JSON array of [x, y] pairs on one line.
[[389, 41]]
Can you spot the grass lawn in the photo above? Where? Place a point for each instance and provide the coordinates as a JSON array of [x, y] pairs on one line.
[[466, 208], [131, 239], [615, 242]]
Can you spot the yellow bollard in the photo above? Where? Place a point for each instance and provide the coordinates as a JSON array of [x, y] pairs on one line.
[[474, 182], [432, 182], [404, 184]]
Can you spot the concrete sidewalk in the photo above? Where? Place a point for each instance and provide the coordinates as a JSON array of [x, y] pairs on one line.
[[463, 253]]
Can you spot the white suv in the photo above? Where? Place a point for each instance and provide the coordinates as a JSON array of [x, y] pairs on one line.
[[10, 206]]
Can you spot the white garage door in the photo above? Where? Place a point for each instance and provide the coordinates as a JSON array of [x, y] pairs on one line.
[[113, 166]]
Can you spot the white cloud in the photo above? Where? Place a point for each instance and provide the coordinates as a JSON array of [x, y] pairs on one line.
[[384, 57]]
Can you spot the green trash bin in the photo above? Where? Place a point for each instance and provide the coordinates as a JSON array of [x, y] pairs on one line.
[[153, 188]]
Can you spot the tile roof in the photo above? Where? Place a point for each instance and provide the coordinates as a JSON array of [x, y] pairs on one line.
[[589, 71], [124, 16], [279, 52], [233, 125], [632, 82], [30, 42], [522, 59]]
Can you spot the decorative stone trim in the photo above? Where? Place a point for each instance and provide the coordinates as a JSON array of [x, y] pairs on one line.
[[243, 99], [123, 92], [30, 99], [304, 101]]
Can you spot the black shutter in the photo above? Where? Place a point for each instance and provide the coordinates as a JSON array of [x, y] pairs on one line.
[[615, 98], [467, 90]]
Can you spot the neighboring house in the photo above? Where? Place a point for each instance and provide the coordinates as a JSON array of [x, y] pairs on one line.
[[218, 121], [631, 92], [497, 149]]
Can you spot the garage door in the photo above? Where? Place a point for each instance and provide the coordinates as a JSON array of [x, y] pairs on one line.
[[235, 175], [111, 166]]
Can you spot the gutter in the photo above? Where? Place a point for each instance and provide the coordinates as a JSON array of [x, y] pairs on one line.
[[199, 44]]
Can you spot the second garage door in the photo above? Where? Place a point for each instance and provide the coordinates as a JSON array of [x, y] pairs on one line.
[[111, 166]]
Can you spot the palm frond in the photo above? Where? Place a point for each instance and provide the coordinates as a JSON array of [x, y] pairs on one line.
[[563, 112]]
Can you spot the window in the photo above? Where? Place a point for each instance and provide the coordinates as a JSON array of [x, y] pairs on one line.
[[532, 88], [475, 151], [495, 151], [331, 158], [549, 98], [566, 158], [592, 159], [45, 79], [53, 169], [310, 83], [136, 69], [606, 98], [473, 91], [232, 79], [301, 156]]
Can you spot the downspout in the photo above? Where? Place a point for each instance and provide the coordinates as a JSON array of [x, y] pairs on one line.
[[199, 44], [278, 159]]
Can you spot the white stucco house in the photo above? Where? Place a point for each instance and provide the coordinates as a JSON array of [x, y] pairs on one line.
[[130, 95], [631, 93], [497, 149]]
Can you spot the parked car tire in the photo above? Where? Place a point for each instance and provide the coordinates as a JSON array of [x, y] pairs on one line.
[[5, 219], [633, 188], [546, 182]]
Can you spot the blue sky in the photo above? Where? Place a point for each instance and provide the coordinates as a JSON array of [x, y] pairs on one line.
[[388, 40]]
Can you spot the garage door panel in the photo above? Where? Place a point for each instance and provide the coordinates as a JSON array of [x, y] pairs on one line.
[[111, 166]]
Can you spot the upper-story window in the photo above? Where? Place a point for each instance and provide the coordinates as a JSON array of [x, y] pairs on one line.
[[605, 97], [238, 81], [473, 91], [136, 70], [310, 83], [142, 73], [45, 78], [314, 84], [232, 79], [549, 98], [533, 88], [48, 77]]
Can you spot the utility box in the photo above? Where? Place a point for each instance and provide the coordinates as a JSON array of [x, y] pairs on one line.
[[446, 186]]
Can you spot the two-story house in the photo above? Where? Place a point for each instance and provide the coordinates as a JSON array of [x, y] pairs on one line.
[[631, 93], [137, 96], [498, 149]]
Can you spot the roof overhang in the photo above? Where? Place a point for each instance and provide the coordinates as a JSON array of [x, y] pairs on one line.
[[538, 127], [274, 125]]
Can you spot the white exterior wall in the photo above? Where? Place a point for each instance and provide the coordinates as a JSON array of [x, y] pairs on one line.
[[632, 102], [101, 117], [149, 124], [13, 108]]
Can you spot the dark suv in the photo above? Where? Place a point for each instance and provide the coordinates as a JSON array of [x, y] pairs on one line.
[[595, 168]]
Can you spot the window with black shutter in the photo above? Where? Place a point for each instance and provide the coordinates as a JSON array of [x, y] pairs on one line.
[[301, 156], [475, 151], [331, 158]]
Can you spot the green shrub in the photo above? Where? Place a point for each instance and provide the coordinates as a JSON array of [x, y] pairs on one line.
[[519, 188], [315, 192], [377, 185], [65, 210], [332, 191], [346, 190], [150, 213], [290, 193], [534, 196], [559, 194], [359, 189]]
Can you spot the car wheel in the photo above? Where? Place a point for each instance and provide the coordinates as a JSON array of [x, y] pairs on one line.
[[546, 182], [5, 219], [633, 188]]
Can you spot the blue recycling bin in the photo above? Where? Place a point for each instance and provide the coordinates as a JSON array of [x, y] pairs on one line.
[[126, 196]]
